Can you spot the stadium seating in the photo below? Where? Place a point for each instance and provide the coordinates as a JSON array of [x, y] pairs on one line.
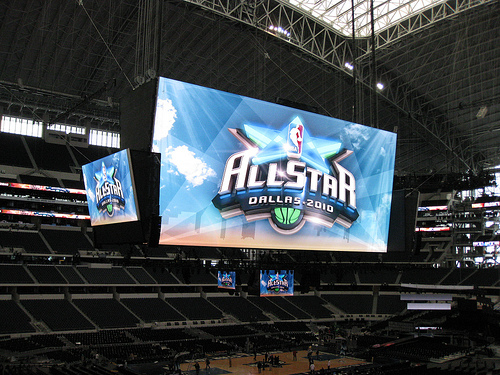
[[378, 276], [240, 308], [161, 335], [390, 304], [44, 153], [13, 151], [351, 303], [14, 274], [229, 331], [14, 319], [66, 241], [152, 310], [292, 309], [46, 274], [99, 338], [458, 276], [70, 274], [67, 317], [486, 277], [267, 305], [431, 276], [161, 275], [29, 241], [107, 275], [141, 275], [195, 308], [312, 305], [107, 313]]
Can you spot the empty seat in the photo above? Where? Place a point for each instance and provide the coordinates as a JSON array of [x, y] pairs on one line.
[[195, 308], [57, 314], [98, 310], [47, 274], [152, 309], [14, 274], [13, 319], [240, 308]]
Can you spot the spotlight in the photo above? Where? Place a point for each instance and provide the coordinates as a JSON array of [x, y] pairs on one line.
[[380, 86], [348, 65], [280, 30]]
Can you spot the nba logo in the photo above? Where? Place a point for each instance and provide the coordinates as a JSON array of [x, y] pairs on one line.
[[295, 139]]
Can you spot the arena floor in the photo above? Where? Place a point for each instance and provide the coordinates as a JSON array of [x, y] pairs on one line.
[[247, 365]]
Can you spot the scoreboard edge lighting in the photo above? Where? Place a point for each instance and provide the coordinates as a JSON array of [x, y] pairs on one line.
[[241, 172]]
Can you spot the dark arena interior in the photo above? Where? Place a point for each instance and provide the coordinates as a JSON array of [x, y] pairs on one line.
[[80, 81]]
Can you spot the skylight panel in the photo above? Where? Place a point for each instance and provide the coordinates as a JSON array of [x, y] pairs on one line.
[[338, 14]]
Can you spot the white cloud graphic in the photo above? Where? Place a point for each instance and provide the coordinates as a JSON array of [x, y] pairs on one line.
[[356, 133], [90, 195], [373, 221], [194, 169], [165, 118]]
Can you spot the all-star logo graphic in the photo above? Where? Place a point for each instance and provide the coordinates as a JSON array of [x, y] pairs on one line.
[[277, 283], [295, 139], [288, 177], [226, 280], [108, 191]]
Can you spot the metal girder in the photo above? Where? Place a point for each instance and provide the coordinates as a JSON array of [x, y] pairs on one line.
[[417, 22], [286, 23], [433, 127], [38, 102], [320, 41]]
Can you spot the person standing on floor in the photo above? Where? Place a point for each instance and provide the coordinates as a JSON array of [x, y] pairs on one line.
[[207, 364]]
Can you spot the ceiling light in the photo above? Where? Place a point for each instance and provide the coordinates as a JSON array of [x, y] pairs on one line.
[[482, 112], [280, 30]]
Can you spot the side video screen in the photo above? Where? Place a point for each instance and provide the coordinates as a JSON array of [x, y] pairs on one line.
[[276, 283], [110, 188], [226, 279]]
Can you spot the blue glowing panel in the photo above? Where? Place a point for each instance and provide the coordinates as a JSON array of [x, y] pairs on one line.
[[276, 283], [240, 172], [110, 189], [226, 280]]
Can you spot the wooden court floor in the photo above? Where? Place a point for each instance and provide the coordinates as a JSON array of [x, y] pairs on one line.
[[246, 365]]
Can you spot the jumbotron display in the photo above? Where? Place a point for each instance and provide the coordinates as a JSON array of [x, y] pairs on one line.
[[276, 283], [240, 172], [226, 280], [109, 183]]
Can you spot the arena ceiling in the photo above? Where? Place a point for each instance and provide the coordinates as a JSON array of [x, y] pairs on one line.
[[439, 61]]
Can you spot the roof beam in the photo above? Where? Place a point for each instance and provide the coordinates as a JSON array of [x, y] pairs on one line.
[[317, 39]]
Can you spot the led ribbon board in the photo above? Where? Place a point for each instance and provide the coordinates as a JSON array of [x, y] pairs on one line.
[[239, 172], [226, 279], [110, 189], [276, 283]]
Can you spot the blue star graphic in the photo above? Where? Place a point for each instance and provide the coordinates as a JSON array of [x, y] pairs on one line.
[[277, 277], [273, 146], [105, 174]]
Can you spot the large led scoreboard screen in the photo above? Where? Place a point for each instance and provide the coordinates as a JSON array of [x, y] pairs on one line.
[[240, 172]]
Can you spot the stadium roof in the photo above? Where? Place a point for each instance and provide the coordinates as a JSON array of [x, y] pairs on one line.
[[439, 62], [387, 13]]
